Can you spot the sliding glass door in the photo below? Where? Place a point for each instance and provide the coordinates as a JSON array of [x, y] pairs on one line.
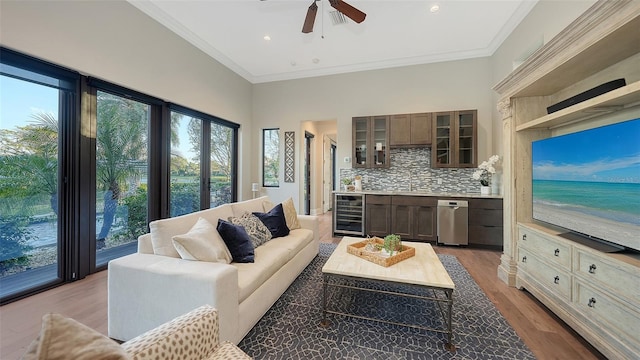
[[186, 140], [122, 142], [29, 178]]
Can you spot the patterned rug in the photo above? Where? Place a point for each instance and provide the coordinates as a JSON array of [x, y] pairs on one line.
[[291, 328]]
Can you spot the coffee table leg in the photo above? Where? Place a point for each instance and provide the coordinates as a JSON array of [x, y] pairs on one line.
[[324, 322], [449, 345]]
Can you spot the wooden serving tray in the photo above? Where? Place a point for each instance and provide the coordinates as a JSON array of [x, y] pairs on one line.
[[357, 249]]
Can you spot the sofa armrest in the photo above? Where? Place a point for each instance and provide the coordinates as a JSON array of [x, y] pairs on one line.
[[144, 244], [145, 291], [193, 335], [310, 222]]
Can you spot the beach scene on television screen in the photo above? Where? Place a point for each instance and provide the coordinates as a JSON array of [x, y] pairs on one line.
[[589, 182]]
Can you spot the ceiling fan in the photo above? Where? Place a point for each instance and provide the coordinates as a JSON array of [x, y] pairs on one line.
[[346, 9]]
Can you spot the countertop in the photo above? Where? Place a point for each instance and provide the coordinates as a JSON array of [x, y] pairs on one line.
[[421, 193]]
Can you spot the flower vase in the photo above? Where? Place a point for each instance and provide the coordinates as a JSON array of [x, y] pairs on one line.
[[485, 190]]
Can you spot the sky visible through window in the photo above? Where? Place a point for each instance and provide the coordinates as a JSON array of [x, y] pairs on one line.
[[16, 109]]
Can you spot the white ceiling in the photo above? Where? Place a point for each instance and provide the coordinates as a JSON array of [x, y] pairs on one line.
[[394, 33]]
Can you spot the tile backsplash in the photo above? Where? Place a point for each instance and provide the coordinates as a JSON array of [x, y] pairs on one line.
[[411, 170]]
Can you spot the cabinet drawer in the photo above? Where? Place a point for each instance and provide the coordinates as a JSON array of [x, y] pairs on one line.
[[606, 311], [550, 250], [553, 278], [485, 217], [414, 200], [486, 235], [594, 268], [378, 199], [485, 203]]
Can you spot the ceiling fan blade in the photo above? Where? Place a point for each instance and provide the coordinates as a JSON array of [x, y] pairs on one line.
[[310, 19], [348, 10]]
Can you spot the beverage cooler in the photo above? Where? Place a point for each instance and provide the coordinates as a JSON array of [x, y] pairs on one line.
[[348, 214]]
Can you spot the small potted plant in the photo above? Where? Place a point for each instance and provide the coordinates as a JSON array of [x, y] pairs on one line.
[[347, 184], [392, 244]]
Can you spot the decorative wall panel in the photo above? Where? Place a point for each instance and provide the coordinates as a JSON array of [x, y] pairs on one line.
[[289, 156]]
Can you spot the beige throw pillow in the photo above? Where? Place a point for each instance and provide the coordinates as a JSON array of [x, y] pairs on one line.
[[203, 243], [64, 338], [290, 214]]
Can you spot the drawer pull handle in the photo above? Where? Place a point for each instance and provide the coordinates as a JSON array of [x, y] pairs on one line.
[[524, 237], [591, 302], [556, 252], [592, 269], [556, 280], [524, 259]]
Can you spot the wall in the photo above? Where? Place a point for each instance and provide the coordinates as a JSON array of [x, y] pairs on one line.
[[114, 41], [455, 85]]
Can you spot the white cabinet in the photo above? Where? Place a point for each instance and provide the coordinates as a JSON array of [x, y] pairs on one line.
[[596, 293]]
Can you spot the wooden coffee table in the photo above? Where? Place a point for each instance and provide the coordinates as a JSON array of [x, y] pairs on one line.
[[424, 270]]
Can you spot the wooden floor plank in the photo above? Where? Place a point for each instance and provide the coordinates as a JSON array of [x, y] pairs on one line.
[[86, 301]]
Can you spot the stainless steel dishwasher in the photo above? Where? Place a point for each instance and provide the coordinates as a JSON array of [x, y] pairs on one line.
[[453, 222]]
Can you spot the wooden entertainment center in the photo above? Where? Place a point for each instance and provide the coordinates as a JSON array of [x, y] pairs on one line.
[[595, 292]]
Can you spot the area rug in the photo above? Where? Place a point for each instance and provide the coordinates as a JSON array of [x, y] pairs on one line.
[[291, 328]]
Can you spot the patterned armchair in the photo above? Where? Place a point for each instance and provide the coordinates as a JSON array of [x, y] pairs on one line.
[[194, 335]]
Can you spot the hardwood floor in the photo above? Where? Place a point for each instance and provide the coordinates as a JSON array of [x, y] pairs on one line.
[[86, 301]]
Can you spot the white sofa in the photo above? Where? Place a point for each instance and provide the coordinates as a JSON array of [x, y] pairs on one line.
[[146, 290]]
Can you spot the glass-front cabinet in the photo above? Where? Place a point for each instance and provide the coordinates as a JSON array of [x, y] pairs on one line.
[[371, 142], [455, 139], [361, 132], [441, 148]]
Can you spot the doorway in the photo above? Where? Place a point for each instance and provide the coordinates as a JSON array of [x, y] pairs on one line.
[[308, 137]]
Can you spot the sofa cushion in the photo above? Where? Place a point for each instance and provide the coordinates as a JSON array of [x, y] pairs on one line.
[[64, 338], [237, 240], [269, 258], [258, 231], [249, 206], [163, 231], [203, 243], [275, 221]]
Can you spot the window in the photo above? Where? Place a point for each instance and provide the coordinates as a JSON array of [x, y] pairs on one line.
[[270, 157], [202, 172]]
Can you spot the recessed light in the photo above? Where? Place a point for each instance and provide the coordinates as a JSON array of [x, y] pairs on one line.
[[434, 8], [315, 60], [267, 37]]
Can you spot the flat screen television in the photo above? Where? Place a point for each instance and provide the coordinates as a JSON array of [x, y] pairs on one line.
[[588, 182]]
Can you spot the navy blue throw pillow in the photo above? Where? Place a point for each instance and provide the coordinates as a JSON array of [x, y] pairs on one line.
[[275, 221], [237, 240]]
